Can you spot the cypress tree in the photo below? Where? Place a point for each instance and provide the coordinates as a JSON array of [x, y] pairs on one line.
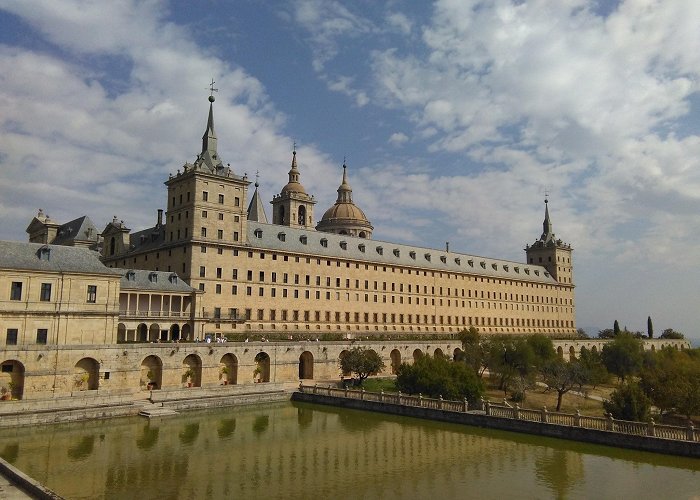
[[650, 328], [616, 329]]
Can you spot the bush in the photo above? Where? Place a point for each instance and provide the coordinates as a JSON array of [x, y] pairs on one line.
[[628, 402], [439, 377]]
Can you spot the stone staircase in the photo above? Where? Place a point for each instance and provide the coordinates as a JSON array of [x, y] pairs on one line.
[[152, 410]]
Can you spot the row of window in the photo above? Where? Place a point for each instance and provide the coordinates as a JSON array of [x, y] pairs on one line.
[[389, 318], [42, 335], [205, 197], [45, 292]]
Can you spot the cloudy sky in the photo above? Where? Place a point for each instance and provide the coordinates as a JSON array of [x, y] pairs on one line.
[[454, 118]]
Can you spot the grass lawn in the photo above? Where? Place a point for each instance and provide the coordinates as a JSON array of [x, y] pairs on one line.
[[379, 384]]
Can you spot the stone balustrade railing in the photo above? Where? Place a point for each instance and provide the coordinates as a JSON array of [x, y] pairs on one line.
[[544, 416]]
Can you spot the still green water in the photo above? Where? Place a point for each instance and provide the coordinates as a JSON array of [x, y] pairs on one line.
[[294, 450]]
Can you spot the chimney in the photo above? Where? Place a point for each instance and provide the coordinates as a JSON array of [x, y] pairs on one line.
[[160, 217], [447, 246]]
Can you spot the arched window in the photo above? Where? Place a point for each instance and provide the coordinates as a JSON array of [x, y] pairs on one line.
[[282, 214], [112, 244], [302, 215]]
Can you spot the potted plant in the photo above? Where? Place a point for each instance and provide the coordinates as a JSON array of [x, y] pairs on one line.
[[6, 395], [224, 374], [81, 380], [189, 375], [256, 374]]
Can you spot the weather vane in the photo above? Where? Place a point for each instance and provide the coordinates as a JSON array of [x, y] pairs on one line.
[[212, 89]]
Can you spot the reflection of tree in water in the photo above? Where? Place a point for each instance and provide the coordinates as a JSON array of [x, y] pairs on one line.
[[226, 427], [350, 422], [82, 449], [10, 452], [559, 470], [148, 438], [189, 433], [261, 423], [305, 417]]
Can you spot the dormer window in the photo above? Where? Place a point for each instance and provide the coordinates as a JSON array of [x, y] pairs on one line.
[[173, 278], [505, 268], [412, 255], [303, 239], [527, 271], [380, 250], [443, 259], [471, 263], [324, 242], [258, 233], [516, 269], [495, 267], [44, 253], [361, 247], [482, 264], [281, 236], [547, 274], [458, 261], [397, 253], [427, 257], [537, 273], [130, 276], [153, 277], [344, 245]]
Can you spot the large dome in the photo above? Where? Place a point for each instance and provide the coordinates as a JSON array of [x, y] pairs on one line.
[[345, 212], [344, 217], [293, 187]]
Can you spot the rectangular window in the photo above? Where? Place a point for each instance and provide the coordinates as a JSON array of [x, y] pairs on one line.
[[274, 277], [204, 214], [202, 271], [92, 294], [217, 313], [235, 236], [221, 198], [16, 290], [219, 271], [45, 295], [262, 275], [234, 290], [11, 336], [205, 196], [237, 201], [220, 234], [204, 232], [218, 288], [42, 335]]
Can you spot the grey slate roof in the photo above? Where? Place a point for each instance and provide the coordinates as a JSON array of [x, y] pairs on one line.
[[269, 236], [80, 229], [27, 256], [163, 281]]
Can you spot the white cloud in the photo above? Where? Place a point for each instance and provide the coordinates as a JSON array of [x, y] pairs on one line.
[[398, 138], [400, 22]]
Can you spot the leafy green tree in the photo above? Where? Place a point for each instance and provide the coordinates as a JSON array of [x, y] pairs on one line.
[[438, 376], [473, 351], [650, 328], [542, 349], [623, 356], [670, 333], [363, 362], [616, 329], [592, 363], [672, 382], [628, 402], [512, 362], [561, 376], [608, 333], [581, 333]]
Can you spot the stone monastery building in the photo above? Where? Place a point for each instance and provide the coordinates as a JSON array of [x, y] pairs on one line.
[[304, 278]]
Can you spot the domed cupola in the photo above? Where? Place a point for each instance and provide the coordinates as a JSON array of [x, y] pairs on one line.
[[344, 217], [293, 207]]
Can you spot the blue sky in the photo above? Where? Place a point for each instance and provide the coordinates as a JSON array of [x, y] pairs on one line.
[[454, 116]]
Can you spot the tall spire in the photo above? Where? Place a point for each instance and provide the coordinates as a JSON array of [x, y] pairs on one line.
[[294, 171], [547, 234], [256, 210], [209, 137], [344, 190]]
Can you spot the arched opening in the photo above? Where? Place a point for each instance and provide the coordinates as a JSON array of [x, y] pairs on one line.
[[653, 348], [302, 215], [375, 352], [11, 379], [362, 234], [261, 372], [229, 369], [112, 245], [142, 332], [192, 371], [457, 354], [343, 232], [86, 375], [153, 332], [121, 332], [417, 354], [560, 352], [583, 349], [175, 332], [340, 356], [395, 361], [306, 365], [572, 353], [151, 373], [594, 349], [438, 352], [281, 212], [186, 332]]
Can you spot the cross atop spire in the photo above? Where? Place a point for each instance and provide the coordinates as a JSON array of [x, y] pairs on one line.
[[212, 90]]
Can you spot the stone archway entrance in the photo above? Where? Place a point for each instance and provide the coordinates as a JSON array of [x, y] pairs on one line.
[[261, 372], [229, 369], [151, 373], [395, 361], [306, 365], [417, 354], [86, 375], [192, 371], [11, 379]]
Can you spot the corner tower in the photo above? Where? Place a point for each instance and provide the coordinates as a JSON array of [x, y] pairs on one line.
[[551, 253], [344, 217], [293, 207]]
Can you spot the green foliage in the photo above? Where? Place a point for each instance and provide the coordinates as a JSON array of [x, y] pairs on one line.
[[616, 329], [592, 363], [581, 333], [439, 377], [623, 356], [670, 333], [380, 384], [608, 333], [562, 376], [672, 381], [512, 362], [361, 361], [628, 402], [542, 348], [474, 352], [650, 328]]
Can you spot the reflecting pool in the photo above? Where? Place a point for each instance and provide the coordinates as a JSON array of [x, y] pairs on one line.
[[296, 450]]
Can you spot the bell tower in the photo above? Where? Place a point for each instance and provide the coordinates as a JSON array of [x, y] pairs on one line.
[[551, 253], [293, 207]]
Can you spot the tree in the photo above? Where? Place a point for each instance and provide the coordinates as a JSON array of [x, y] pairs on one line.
[[542, 348], [581, 333], [438, 376], [562, 376], [628, 402], [592, 364], [623, 356], [616, 329], [608, 333], [670, 333], [650, 328], [512, 362], [363, 362], [672, 382], [473, 351]]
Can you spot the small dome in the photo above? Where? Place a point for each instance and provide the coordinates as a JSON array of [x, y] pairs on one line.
[[346, 212], [293, 187]]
